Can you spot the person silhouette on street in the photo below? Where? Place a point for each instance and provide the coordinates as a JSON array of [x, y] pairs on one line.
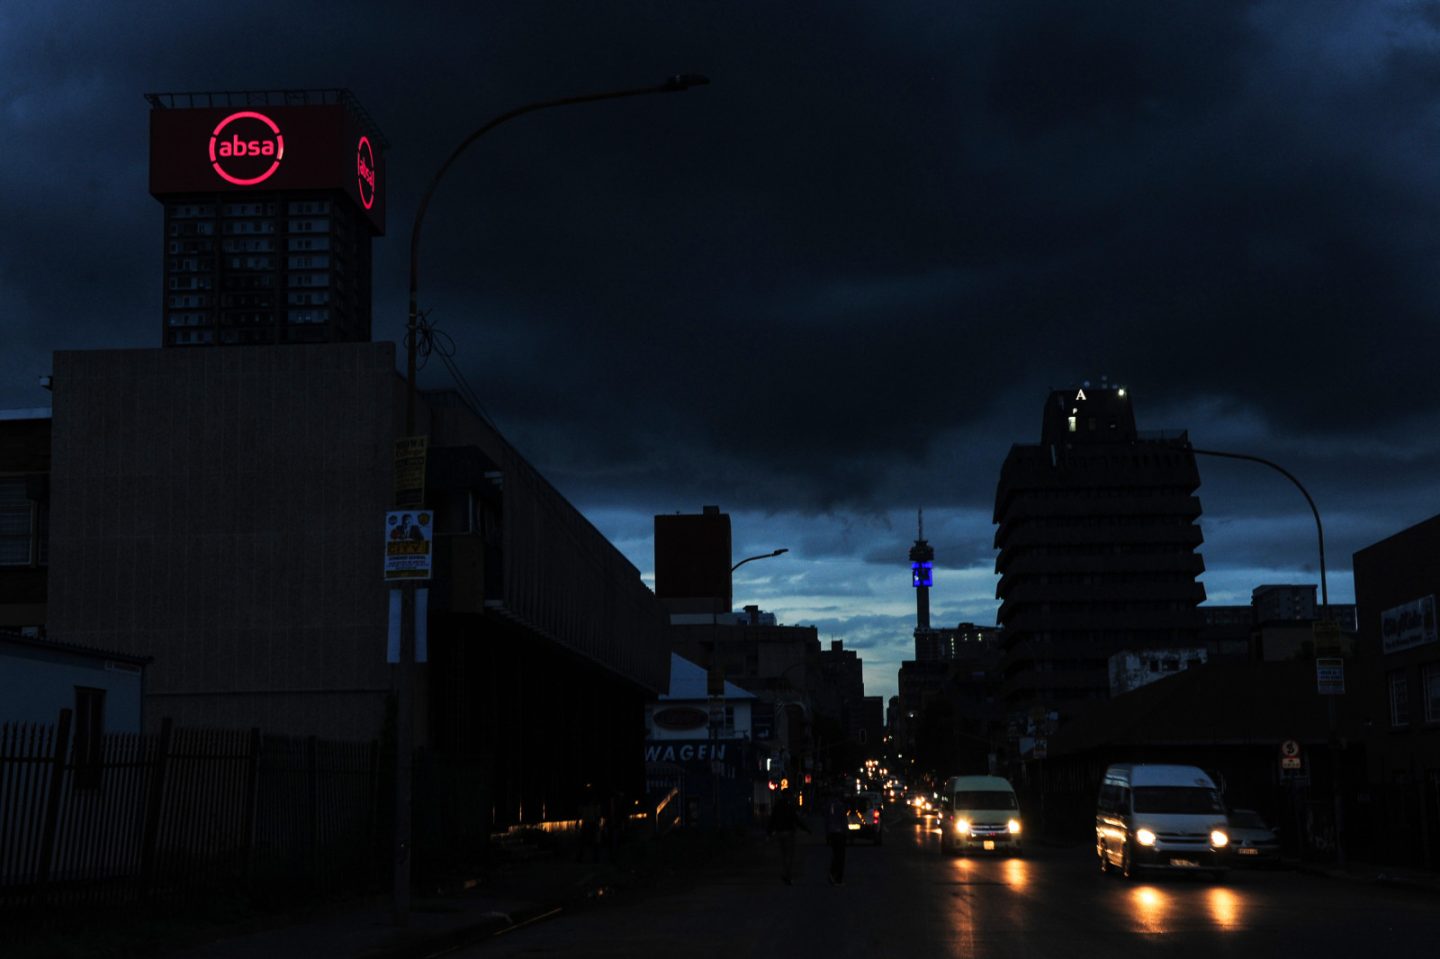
[[590, 815], [784, 820], [837, 834]]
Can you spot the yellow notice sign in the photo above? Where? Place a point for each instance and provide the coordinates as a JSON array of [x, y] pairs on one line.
[[410, 470]]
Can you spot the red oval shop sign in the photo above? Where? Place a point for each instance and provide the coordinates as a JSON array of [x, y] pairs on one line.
[[681, 717], [246, 148]]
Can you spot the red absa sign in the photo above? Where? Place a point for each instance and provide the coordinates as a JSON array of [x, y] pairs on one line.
[[246, 148], [365, 172], [198, 151]]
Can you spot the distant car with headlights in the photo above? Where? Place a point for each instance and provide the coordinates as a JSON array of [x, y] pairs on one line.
[[981, 814], [1163, 817], [922, 802], [864, 820], [1251, 841]]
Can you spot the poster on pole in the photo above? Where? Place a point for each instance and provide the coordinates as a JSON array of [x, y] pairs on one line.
[[410, 454], [408, 545], [1330, 676]]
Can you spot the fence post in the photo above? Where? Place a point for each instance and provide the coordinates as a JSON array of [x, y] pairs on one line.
[[313, 805], [252, 801], [374, 840], [52, 800], [153, 802]]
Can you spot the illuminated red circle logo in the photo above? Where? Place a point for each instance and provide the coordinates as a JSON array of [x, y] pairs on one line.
[[246, 148], [365, 171]]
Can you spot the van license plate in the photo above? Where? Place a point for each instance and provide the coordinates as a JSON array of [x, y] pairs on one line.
[[1245, 851], [1184, 862], [989, 844]]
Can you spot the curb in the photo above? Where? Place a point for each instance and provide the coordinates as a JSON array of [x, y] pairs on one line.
[[486, 926], [1379, 878]]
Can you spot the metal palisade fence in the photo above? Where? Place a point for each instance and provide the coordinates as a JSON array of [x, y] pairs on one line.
[[182, 810]]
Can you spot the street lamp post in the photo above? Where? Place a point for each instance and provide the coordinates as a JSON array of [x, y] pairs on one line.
[[1324, 616], [750, 559], [405, 670]]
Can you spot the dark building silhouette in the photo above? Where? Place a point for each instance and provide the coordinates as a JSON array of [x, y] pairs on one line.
[[227, 521], [271, 200], [1097, 536], [24, 518], [1397, 682], [692, 563]]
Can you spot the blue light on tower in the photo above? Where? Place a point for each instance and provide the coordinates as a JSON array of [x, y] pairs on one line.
[[922, 574]]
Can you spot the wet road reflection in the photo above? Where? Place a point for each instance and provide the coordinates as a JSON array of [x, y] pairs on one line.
[[1157, 910], [1151, 909], [1225, 908], [1017, 873]]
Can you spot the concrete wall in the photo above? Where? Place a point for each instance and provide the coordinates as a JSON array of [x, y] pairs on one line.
[[222, 511]]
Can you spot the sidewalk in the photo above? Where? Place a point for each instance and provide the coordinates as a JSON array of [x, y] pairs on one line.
[[1399, 876], [505, 898]]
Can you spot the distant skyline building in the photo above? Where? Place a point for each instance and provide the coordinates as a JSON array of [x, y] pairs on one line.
[[271, 201], [1097, 535]]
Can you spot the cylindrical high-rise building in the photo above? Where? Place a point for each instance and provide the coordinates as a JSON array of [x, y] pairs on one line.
[[1098, 537]]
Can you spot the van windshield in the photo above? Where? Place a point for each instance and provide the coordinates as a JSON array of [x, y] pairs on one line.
[[985, 799], [1177, 799]]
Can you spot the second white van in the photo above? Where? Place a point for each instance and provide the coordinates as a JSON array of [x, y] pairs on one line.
[[1153, 816]]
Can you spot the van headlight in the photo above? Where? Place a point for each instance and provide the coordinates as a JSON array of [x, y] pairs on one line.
[[1014, 827], [962, 826], [1218, 839], [1145, 837]]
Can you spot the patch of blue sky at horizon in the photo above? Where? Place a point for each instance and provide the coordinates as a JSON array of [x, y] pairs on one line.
[[1242, 552], [1233, 586]]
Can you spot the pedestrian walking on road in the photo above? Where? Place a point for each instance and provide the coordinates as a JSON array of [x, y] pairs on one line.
[[837, 834], [590, 816], [784, 820]]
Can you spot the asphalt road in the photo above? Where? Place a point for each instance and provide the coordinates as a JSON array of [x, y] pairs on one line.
[[904, 899]]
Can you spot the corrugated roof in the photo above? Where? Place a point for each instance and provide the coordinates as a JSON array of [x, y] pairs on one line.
[[688, 681], [21, 639]]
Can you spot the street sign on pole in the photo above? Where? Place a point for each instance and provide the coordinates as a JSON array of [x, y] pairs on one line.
[[1290, 755], [410, 470], [1330, 676]]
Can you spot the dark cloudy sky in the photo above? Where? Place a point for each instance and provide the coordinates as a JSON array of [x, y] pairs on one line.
[[837, 284]]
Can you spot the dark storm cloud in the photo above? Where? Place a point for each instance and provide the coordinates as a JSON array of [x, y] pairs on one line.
[[838, 282]]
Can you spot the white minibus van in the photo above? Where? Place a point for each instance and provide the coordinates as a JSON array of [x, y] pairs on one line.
[[1160, 817], [979, 812]]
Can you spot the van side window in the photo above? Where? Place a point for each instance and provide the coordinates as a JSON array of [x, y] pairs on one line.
[[1109, 798], [1124, 799]]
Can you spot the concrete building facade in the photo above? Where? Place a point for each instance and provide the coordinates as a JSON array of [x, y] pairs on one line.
[[1097, 535], [223, 511]]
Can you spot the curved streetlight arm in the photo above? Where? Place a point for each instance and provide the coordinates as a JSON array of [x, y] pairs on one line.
[[1319, 529], [748, 559], [674, 84]]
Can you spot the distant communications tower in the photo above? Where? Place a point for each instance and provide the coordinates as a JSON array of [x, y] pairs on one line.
[[922, 574]]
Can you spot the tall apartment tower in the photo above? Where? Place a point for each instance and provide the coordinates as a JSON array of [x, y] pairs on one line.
[[1098, 536], [271, 200]]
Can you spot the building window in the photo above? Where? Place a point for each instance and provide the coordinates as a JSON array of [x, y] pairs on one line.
[[88, 755], [1430, 691], [1399, 699], [22, 524]]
